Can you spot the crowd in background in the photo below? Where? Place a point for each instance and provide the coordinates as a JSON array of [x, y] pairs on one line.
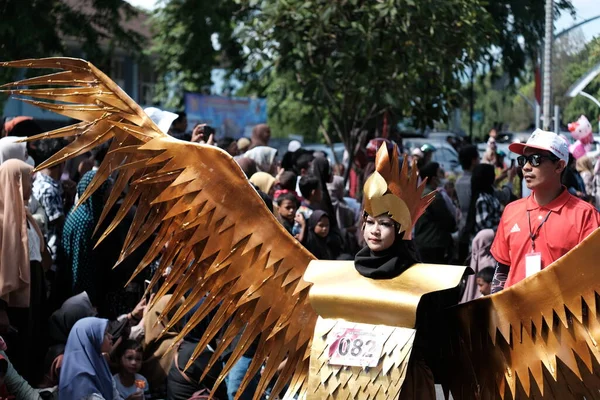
[[59, 294]]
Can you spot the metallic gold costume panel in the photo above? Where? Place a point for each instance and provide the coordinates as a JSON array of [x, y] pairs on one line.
[[327, 381]]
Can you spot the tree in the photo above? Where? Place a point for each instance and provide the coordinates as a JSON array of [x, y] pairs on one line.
[[580, 105], [190, 39], [39, 28]]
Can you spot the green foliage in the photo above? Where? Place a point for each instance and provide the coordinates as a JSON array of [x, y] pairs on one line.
[[580, 105], [182, 42], [353, 60], [39, 28]]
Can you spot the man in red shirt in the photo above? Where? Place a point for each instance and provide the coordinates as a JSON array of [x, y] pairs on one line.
[[537, 230]]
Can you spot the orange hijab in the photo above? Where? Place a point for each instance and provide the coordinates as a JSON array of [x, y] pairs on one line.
[[14, 250]]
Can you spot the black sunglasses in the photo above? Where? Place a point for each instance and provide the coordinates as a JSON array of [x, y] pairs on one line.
[[534, 159]]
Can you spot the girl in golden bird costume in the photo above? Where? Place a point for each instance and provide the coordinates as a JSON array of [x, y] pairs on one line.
[[346, 330]]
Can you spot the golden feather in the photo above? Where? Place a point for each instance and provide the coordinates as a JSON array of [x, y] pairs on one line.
[[190, 194], [538, 338]]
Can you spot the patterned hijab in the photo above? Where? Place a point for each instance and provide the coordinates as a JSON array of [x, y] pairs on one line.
[[78, 241], [15, 175]]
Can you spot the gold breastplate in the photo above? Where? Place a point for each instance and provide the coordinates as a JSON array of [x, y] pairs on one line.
[[343, 297]]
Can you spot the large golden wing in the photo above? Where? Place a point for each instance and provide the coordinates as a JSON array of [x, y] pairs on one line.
[[537, 339], [223, 243]]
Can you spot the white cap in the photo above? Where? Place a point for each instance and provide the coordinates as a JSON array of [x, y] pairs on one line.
[[417, 152], [163, 119], [544, 140], [294, 145]]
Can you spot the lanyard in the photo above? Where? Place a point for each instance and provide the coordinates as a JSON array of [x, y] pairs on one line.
[[534, 235]]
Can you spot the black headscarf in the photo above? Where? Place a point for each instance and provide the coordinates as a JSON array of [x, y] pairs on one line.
[[322, 171], [63, 319], [317, 245], [388, 263]]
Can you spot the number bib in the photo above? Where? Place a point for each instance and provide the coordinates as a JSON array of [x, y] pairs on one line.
[[354, 345]]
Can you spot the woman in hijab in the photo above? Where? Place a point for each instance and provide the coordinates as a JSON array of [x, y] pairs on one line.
[[9, 148], [481, 257], [85, 373], [22, 286], [264, 157], [81, 266], [157, 357], [59, 326], [265, 182], [322, 170], [485, 209]]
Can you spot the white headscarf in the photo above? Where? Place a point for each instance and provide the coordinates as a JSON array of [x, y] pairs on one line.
[[263, 156], [163, 119], [9, 148]]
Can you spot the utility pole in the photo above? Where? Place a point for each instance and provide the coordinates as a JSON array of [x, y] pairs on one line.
[[548, 43]]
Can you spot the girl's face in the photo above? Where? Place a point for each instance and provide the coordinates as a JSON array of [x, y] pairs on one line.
[[379, 232], [131, 361], [287, 209], [322, 227]]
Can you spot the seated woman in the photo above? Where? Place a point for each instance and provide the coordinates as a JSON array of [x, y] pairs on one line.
[[85, 374], [59, 326], [183, 383], [157, 357]]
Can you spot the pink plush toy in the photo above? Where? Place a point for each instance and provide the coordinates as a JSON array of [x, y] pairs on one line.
[[582, 130]]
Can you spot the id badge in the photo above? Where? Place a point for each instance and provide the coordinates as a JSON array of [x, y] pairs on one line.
[[533, 264]]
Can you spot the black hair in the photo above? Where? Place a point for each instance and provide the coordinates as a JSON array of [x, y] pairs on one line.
[[180, 116], [129, 345], [466, 155], [482, 181], [307, 184], [100, 152], [225, 142], [26, 128], [430, 170], [487, 274], [287, 196], [44, 149], [287, 180], [303, 162]]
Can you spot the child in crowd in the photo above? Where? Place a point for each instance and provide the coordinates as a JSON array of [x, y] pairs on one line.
[[310, 187], [315, 234], [286, 180], [484, 280], [130, 384], [287, 205]]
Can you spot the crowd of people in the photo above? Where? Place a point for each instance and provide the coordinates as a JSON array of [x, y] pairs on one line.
[[73, 330]]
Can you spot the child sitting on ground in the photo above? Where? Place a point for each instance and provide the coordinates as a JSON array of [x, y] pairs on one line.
[[484, 280], [130, 384], [287, 205]]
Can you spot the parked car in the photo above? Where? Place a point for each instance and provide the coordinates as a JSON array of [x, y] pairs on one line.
[[338, 148], [445, 155]]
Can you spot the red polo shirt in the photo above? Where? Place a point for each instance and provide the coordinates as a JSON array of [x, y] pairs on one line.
[[570, 221]]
